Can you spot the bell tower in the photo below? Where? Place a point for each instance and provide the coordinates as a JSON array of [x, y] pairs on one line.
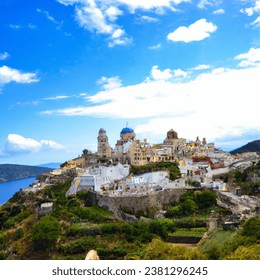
[[104, 150]]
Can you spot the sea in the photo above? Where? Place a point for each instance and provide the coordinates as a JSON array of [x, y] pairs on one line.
[[8, 189]]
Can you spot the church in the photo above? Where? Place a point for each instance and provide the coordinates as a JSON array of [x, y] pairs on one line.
[[130, 150]]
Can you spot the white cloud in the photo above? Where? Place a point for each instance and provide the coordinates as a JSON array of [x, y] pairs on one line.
[[179, 73], [149, 19], [201, 67], [219, 12], [15, 26], [93, 18], [256, 22], [16, 143], [49, 144], [215, 104], [4, 55], [151, 4], [157, 74], [50, 18], [110, 83], [204, 3], [250, 58], [32, 26], [155, 47], [166, 74], [101, 16], [34, 103], [113, 13], [8, 75], [58, 97], [197, 31], [252, 10]]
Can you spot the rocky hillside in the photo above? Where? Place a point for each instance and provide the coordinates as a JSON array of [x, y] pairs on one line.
[[253, 146], [10, 172]]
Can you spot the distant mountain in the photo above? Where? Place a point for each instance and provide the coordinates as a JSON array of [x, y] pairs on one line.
[[53, 165], [10, 172], [253, 146]]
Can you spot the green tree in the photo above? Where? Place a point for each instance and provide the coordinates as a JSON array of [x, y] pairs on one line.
[[205, 199], [46, 232], [188, 207]]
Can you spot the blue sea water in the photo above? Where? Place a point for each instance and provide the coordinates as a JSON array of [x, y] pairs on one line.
[[8, 189]]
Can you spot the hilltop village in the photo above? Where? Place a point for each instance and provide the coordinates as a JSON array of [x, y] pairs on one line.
[[109, 172], [196, 159], [177, 199]]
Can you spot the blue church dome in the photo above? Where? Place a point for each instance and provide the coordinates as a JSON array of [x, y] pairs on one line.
[[126, 130]]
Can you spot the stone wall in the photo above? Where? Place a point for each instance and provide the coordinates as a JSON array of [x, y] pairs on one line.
[[138, 204]]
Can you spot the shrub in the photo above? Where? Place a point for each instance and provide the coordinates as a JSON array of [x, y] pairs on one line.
[[158, 227], [188, 207], [81, 245], [205, 199], [159, 250], [251, 228], [45, 232], [246, 253], [173, 211], [111, 253]]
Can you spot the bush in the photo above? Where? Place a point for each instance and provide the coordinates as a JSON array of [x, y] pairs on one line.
[[83, 195], [173, 211], [46, 232], [111, 253], [159, 250], [246, 253], [205, 199], [188, 207], [161, 227], [110, 228], [251, 228], [81, 245]]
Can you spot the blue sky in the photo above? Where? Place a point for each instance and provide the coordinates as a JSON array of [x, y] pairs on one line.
[[70, 67]]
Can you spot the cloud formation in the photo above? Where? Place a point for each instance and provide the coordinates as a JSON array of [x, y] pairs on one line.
[[211, 104], [4, 55], [101, 16], [110, 83], [17, 144], [253, 10], [203, 4], [251, 58], [51, 18], [166, 74], [197, 31], [8, 75]]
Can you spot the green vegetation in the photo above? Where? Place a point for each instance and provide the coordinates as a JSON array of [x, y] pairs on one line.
[[10, 172], [46, 232], [159, 250], [76, 226], [172, 167], [234, 244], [192, 203], [245, 179]]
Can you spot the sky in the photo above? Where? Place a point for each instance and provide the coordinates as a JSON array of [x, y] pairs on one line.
[[71, 67]]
